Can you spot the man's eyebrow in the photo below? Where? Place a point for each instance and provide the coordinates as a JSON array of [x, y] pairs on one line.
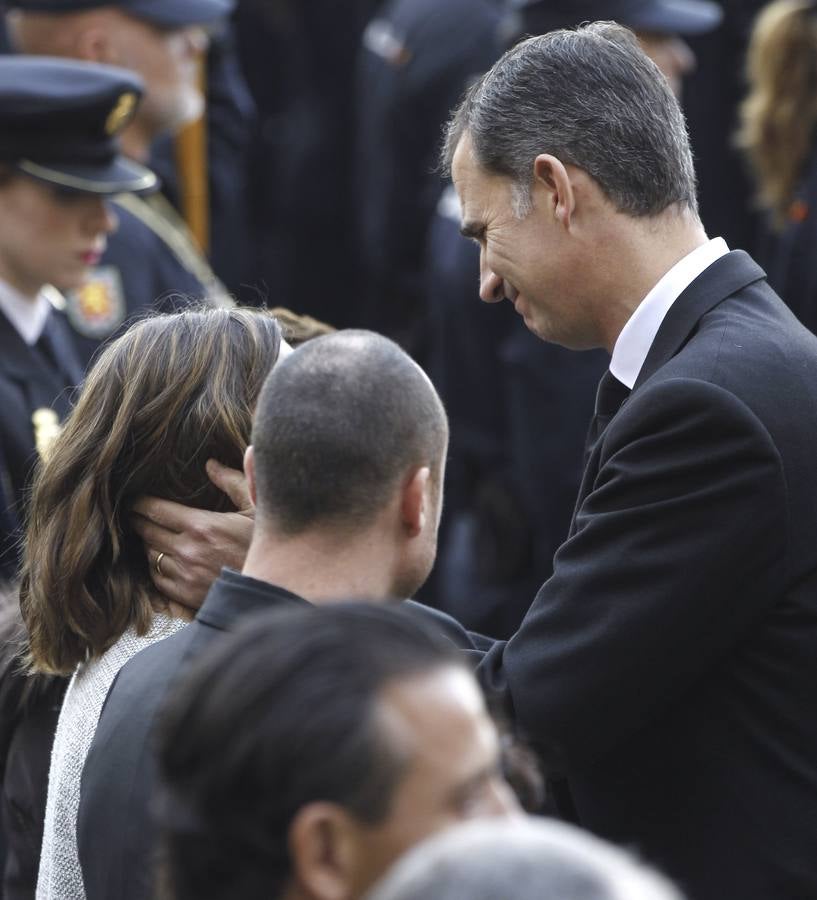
[[472, 230]]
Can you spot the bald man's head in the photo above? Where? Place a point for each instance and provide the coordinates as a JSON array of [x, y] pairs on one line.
[[340, 424]]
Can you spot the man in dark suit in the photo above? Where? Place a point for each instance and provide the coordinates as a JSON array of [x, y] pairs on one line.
[[667, 672], [346, 470]]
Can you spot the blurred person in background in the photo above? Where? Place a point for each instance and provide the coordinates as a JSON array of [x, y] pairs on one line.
[[167, 396], [523, 859], [712, 96], [59, 166], [302, 755], [777, 136], [204, 166], [415, 59], [519, 409], [345, 476], [152, 262], [298, 60]]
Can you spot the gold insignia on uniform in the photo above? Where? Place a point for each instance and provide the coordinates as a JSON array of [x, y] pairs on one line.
[[97, 308], [94, 300], [120, 114], [46, 430]]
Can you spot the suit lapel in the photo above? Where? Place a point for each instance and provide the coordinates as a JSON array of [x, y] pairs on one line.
[[726, 276]]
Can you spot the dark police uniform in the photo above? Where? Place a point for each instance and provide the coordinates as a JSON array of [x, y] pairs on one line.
[[35, 395]]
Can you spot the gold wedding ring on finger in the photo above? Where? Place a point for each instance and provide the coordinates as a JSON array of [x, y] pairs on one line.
[[158, 564]]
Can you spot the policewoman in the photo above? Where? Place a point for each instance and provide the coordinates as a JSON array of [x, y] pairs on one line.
[[153, 261], [59, 161]]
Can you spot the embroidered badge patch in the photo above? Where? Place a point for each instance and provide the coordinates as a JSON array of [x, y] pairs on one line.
[[97, 308]]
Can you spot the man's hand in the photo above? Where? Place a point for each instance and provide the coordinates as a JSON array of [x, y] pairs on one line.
[[192, 545]]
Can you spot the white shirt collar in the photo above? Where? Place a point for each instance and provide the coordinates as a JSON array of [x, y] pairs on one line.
[[26, 315], [636, 337]]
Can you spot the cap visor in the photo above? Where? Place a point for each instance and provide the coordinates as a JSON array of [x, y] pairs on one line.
[[178, 13], [687, 17], [116, 177]]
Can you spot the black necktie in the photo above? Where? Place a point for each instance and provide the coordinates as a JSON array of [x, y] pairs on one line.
[[609, 397]]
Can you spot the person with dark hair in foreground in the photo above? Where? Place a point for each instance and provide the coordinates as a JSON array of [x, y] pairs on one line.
[[527, 859], [307, 751], [345, 471]]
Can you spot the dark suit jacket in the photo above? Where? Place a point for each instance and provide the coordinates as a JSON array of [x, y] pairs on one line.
[[116, 835], [668, 669]]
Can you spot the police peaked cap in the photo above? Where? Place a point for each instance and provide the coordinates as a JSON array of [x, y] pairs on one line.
[[59, 122], [165, 13], [685, 17]]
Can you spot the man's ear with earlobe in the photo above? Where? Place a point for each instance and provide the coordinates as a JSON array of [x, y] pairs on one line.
[[551, 174], [414, 505], [324, 852], [249, 471]]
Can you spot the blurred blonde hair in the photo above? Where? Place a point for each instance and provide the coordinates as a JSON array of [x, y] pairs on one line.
[[778, 117], [169, 394]]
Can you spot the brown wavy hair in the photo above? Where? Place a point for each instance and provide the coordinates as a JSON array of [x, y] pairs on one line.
[[171, 393], [779, 115]]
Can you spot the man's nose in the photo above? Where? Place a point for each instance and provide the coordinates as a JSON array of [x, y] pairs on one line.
[[491, 289]]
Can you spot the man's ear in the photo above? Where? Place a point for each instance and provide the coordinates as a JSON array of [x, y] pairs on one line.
[[550, 174], [249, 471], [414, 504], [324, 850]]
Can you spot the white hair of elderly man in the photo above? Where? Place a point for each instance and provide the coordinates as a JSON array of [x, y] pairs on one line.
[[520, 859]]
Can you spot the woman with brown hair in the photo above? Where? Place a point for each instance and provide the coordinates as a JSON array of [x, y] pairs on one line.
[[170, 394], [778, 134]]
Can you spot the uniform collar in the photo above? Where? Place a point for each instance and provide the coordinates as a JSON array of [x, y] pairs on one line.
[[28, 316], [636, 338]]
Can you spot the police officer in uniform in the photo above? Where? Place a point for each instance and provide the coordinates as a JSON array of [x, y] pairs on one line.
[[415, 59], [152, 262], [59, 162]]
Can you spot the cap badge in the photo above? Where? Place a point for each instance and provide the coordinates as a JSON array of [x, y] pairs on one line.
[[120, 114]]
